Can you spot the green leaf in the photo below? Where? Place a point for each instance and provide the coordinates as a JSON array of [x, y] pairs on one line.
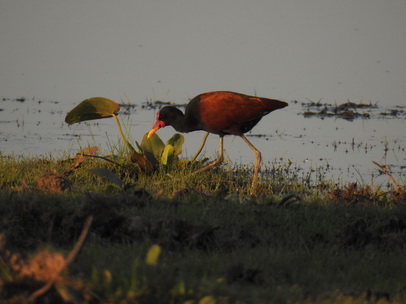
[[176, 141], [156, 150], [69, 294], [107, 174], [152, 147], [207, 300], [179, 289], [167, 155], [152, 255], [92, 108]]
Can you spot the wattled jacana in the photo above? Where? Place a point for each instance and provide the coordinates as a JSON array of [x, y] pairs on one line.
[[222, 113]]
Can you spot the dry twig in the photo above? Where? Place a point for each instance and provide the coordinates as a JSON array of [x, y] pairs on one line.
[[69, 259], [385, 169]]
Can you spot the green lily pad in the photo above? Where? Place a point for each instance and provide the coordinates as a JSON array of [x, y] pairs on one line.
[[176, 141], [153, 146], [167, 155], [92, 108]]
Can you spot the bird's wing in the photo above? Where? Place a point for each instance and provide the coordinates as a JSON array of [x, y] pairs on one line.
[[222, 110]]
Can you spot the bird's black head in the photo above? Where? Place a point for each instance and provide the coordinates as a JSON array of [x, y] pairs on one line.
[[169, 115]]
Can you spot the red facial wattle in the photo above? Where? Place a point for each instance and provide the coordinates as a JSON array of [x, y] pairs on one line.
[[158, 124]]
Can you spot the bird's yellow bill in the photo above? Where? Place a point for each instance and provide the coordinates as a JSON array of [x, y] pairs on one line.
[[152, 132]]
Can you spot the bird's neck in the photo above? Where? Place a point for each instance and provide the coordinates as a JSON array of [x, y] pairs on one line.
[[183, 124]]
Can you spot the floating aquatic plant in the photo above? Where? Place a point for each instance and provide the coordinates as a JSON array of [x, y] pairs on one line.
[[152, 151]]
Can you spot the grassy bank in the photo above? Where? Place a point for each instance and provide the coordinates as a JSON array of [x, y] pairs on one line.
[[172, 237]]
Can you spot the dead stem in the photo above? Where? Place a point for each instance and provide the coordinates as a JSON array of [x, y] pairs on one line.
[[384, 169], [69, 259]]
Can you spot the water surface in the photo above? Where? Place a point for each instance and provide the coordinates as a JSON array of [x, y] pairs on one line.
[[329, 146]]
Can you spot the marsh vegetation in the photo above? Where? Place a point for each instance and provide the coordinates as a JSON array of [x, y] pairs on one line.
[[136, 226], [211, 241]]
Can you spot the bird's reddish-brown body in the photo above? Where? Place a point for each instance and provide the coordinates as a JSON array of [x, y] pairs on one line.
[[234, 113], [221, 113]]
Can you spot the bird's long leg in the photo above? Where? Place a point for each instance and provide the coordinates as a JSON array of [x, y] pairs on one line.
[[201, 147], [216, 162], [257, 163]]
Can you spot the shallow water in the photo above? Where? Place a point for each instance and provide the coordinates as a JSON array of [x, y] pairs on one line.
[[327, 147]]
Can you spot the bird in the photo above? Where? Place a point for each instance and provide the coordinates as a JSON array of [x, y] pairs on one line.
[[222, 113]]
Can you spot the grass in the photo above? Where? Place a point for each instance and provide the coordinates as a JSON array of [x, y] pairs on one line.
[[294, 241]]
